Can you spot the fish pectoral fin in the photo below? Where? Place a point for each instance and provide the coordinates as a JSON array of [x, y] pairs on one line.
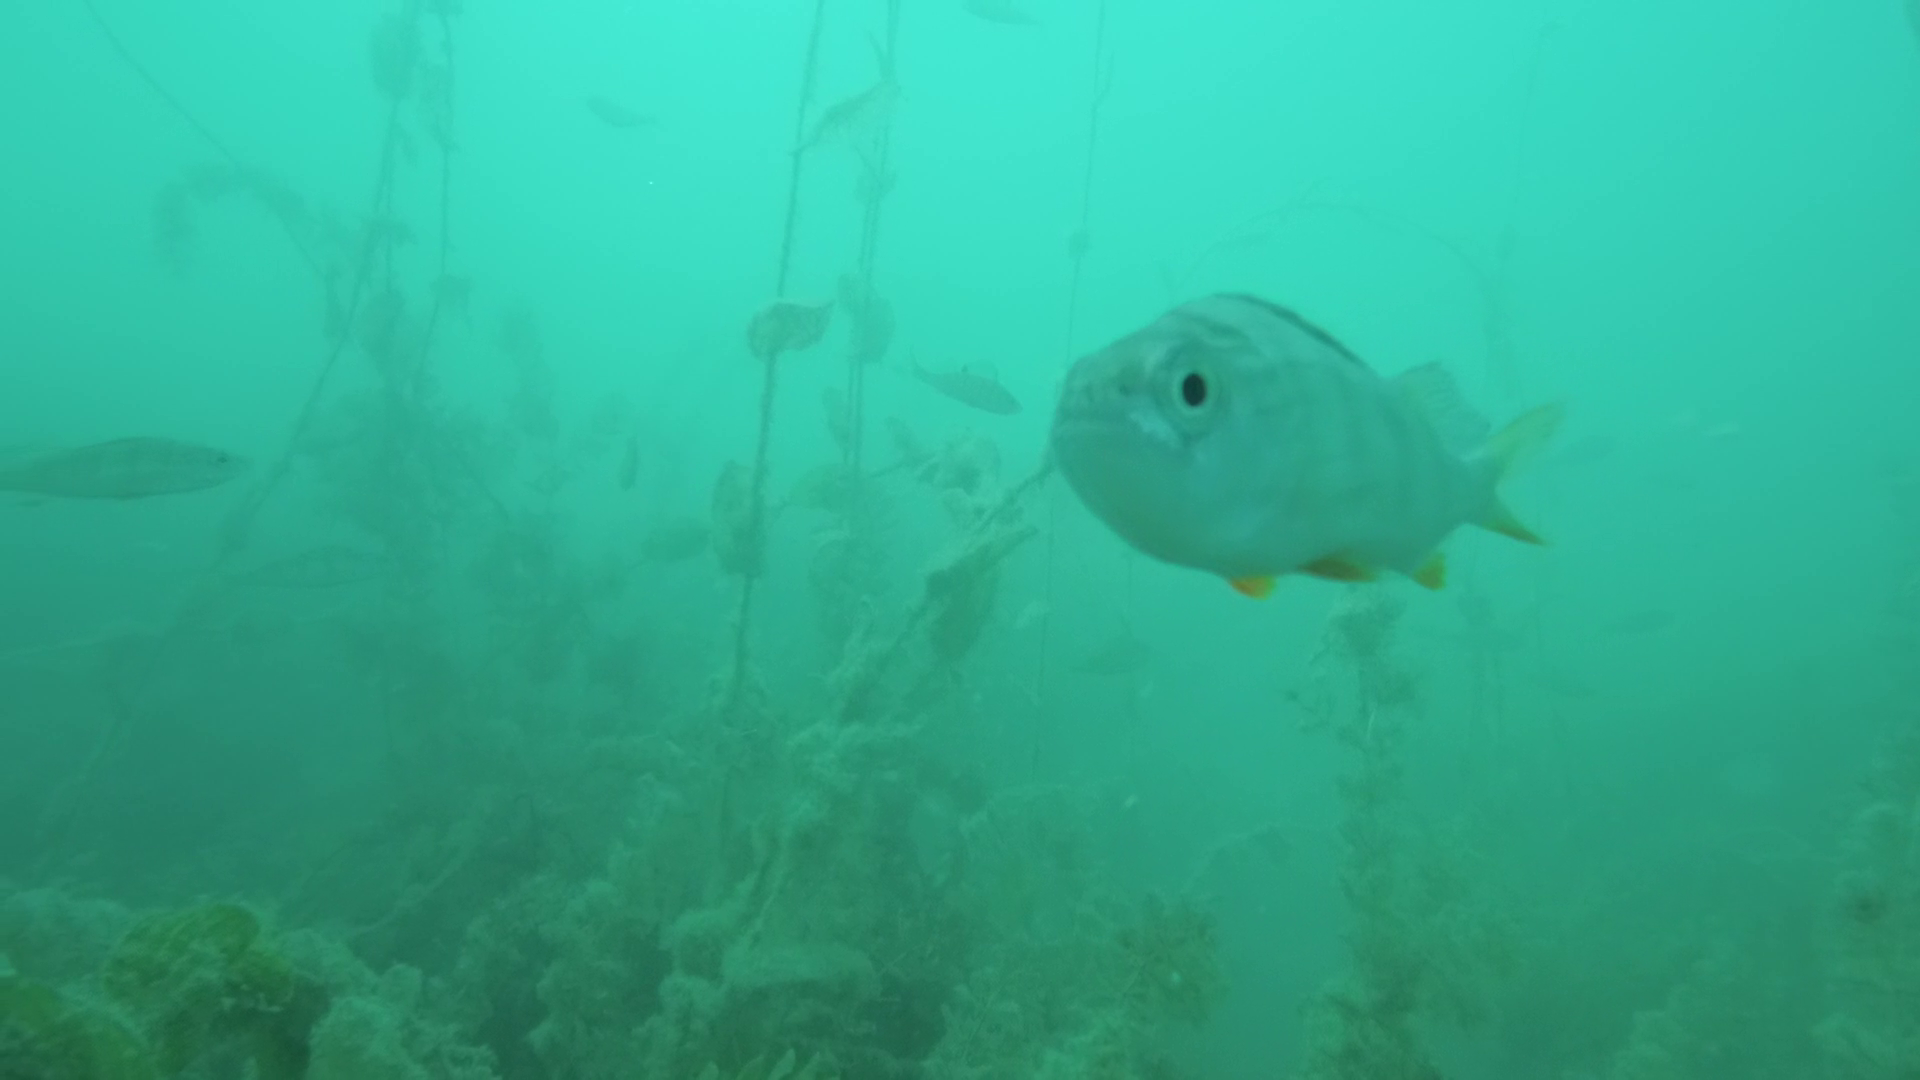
[[1432, 574], [1340, 568], [1433, 393], [1257, 587]]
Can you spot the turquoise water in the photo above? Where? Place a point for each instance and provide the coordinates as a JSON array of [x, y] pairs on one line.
[[614, 662]]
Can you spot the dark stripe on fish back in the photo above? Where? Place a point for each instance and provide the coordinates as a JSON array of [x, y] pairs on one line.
[[1295, 319]]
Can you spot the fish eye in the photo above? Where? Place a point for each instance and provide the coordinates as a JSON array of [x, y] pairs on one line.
[[1193, 389]]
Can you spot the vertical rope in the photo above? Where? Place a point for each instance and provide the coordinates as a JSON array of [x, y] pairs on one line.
[[856, 403], [1077, 253], [757, 498]]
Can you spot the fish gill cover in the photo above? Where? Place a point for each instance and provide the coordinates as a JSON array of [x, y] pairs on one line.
[[492, 592]]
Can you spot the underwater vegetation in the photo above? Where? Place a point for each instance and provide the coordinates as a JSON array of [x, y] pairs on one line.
[[176, 988], [628, 762]]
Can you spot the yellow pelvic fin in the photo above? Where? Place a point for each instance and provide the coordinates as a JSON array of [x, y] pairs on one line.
[[1339, 568], [1508, 450], [1432, 574], [1257, 587]]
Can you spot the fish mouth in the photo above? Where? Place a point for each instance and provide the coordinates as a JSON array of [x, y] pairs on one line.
[[1104, 459], [1088, 441]]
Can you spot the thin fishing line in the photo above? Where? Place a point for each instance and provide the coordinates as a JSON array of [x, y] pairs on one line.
[[757, 491]]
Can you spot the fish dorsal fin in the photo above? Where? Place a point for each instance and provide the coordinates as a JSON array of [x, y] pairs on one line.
[[1434, 394]]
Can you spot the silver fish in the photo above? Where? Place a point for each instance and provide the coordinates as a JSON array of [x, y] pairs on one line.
[[330, 567], [970, 387], [615, 115], [629, 463], [1232, 436], [133, 468]]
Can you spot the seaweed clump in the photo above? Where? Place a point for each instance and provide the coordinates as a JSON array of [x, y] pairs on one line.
[[206, 978], [178, 988], [45, 1033], [1421, 946]]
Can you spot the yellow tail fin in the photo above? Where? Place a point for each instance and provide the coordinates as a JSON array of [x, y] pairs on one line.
[[1509, 449]]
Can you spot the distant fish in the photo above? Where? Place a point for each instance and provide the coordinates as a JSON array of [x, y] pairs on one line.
[[630, 463], [854, 118], [135, 468], [329, 567], [615, 115], [1005, 12], [1232, 436], [973, 387]]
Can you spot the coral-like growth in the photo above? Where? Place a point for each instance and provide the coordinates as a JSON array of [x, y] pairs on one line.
[[203, 977], [1172, 964], [46, 1034], [1873, 1032], [1419, 949], [786, 1067]]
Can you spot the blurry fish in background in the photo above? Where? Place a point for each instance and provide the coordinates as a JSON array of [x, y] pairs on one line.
[[854, 120], [616, 115], [135, 468], [330, 566], [975, 387], [1003, 12], [674, 541], [630, 463], [1122, 653], [1232, 436], [784, 326]]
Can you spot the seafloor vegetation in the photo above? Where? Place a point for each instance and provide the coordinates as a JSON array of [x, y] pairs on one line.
[[554, 869]]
